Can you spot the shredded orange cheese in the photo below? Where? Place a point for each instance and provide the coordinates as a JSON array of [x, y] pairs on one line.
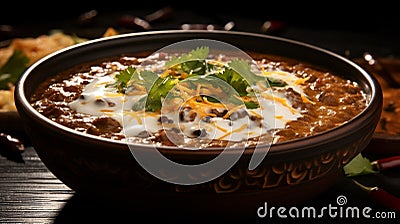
[[244, 126]]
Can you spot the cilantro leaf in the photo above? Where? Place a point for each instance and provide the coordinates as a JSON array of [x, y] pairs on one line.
[[276, 82], [122, 79], [158, 92], [13, 68], [198, 54], [243, 68], [251, 104], [235, 80], [359, 165], [129, 76], [126, 75], [237, 74], [194, 67], [147, 79], [140, 104]]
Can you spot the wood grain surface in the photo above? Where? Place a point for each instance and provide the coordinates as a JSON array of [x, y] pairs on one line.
[[29, 193]]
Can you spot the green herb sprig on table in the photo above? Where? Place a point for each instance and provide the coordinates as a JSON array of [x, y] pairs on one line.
[[359, 165]]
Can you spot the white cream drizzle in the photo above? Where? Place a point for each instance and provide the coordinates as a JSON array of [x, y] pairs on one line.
[[275, 110]]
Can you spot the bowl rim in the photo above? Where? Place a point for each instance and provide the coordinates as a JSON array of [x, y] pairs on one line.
[[276, 147]]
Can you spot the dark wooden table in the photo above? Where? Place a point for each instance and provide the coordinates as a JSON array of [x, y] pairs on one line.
[[29, 193]]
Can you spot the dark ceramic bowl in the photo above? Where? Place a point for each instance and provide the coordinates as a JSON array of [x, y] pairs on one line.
[[292, 173]]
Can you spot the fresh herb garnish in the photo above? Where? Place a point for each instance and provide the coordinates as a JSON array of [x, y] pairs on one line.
[[237, 73], [359, 165], [158, 91], [198, 54], [244, 73], [251, 104], [122, 79], [126, 78], [12, 69], [276, 82]]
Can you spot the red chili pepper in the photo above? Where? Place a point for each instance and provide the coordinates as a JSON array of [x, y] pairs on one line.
[[12, 144], [386, 163], [382, 197]]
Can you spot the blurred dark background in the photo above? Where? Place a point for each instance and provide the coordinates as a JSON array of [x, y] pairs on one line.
[[336, 25], [363, 15]]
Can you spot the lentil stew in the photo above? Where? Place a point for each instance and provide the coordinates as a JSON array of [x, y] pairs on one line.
[[298, 100]]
